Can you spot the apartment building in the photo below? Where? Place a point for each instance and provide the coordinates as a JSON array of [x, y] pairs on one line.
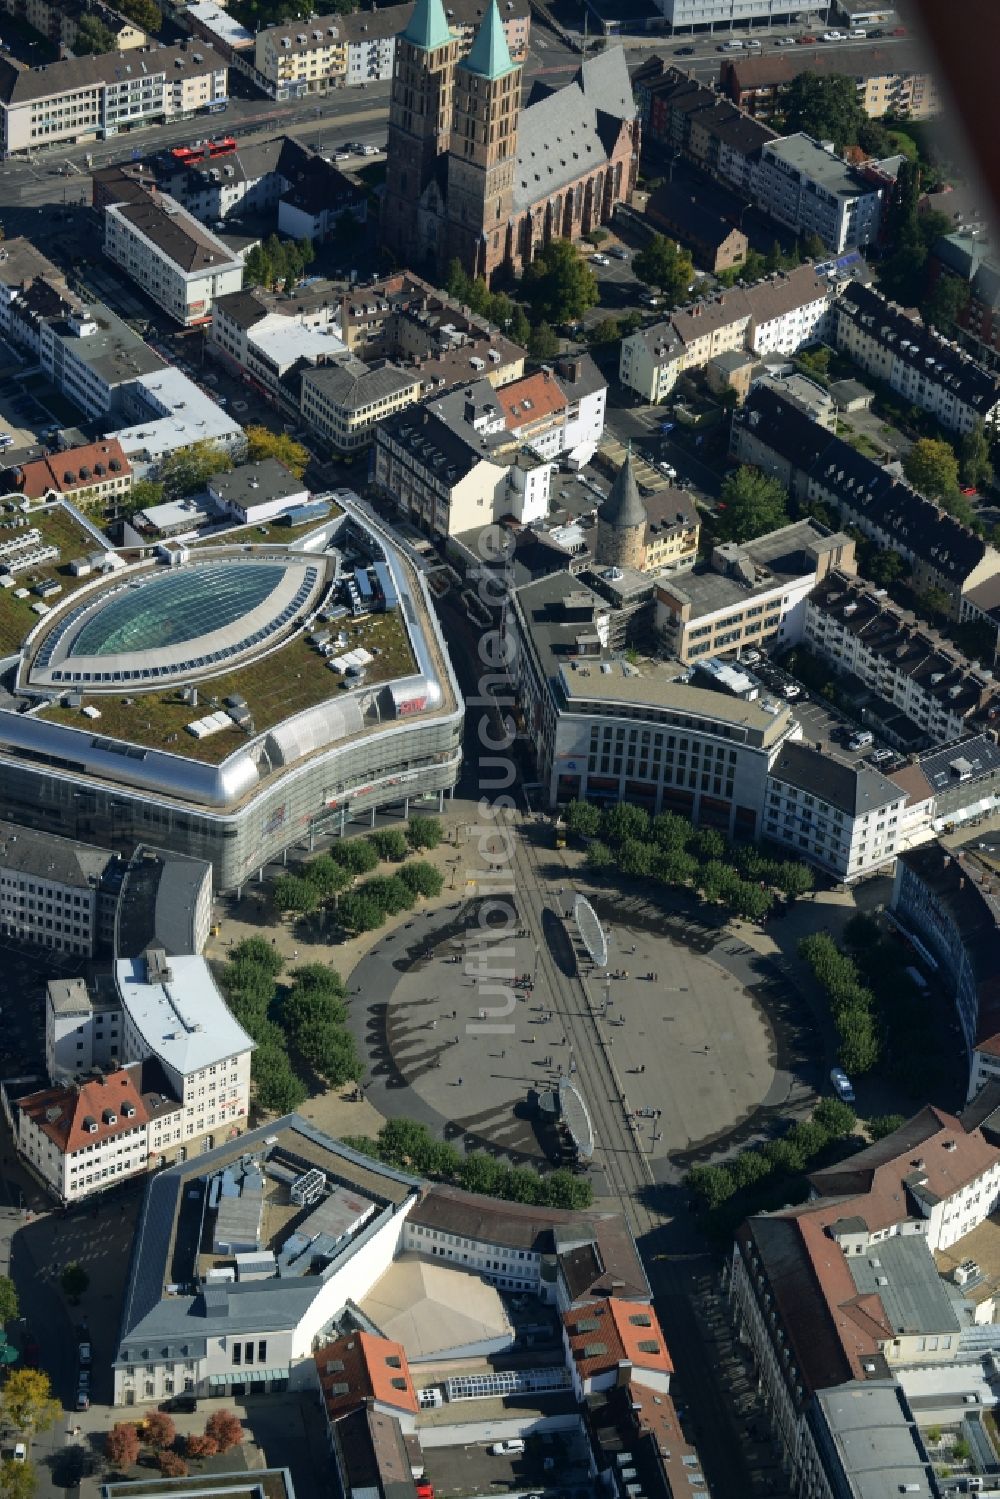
[[771, 433], [819, 1291], [680, 114], [558, 410], [405, 319], [615, 1343], [344, 402], [845, 818], [170, 256], [889, 79], [56, 893], [83, 1028], [173, 1011], [945, 902], [59, 20], [931, 693], [85, 1138], [334, 51], [751, 594], [777, 315], [84, 99], [916, 362], [263, 336], [605, 731], [97, 475], [802, 184], [966, 256], [453, 466], [715, 243]]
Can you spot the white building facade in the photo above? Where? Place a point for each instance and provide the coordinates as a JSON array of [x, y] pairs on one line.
[[175, 260], [846, 819]]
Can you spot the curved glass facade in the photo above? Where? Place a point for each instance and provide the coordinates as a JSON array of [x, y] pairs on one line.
[[177, 607]]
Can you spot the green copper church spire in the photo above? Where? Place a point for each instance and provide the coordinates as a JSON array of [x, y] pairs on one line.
[[490, 55], [428, 26]]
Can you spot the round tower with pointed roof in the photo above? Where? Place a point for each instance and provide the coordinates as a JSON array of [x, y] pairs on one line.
[[621, 522], [420, 109]]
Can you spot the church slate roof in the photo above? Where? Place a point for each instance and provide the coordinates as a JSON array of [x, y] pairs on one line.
[[571, 131]]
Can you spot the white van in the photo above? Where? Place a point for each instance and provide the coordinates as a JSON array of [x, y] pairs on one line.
[[508, 1448], [857, 34], [861, 740], [6, 440]]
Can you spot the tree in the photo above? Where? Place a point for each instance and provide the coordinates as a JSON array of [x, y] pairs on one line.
[[859, 1042], [263, 443], [18, 1480], [74, 1281], [390, 844], [9, 1303], [543, 343], [26, 1400], [561, 1189], [754, 504], [356, 855], [326, 875], [837, 1118], [144, 13], [824, 107], [623, 821], [932, 468], [945, 303], [159, 1431], [330, 1051], [885, 567], [713, 1184], [794, 879], [424, 832], [359, 913], [422, 878], [292, 893], [873, 138], [583, 819], [259, 952], [598, 855], [885, 1124], [663, 264], [276, 1087], [121, 1445], [813, 247], [559, 284], [92, 37], [188, 470], [199, 1444], [933, 603], [479, 1172], [172, 1465], [389, 892], [226, 1430], [607, 331], [961, 1451], [974, 457]]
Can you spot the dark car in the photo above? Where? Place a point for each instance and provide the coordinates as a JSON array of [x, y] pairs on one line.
[[684, 52], [180, 1403]]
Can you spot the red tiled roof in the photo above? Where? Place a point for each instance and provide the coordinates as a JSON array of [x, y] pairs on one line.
[[372, 1368], [65, 1114], [527, 401], [604, 1334], [62, 471]]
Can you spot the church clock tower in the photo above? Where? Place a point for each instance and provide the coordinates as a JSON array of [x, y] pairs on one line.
[[483, 150], [420, 111]]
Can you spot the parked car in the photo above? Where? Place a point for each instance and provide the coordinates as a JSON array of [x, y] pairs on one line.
[[750, 657], [842, 1085], [82, 1400], [684, 52], [791, 689], [370, 150], [505, 1449], [806, 41], [618, 253], [861, 740], [598, 259], [83, 1353], [833, 36], [186, 1402]]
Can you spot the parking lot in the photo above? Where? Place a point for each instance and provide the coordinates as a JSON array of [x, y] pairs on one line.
[[822, 725]]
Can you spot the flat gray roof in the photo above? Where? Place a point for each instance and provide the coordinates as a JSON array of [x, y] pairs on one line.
[[875, 1439], [810, 158], [901, 1272]]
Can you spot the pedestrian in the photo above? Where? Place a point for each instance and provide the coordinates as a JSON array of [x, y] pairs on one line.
[[460, 1082], [503, 1052]]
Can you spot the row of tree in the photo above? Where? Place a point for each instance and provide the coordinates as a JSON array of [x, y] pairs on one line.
[[322, 879], [913, 1055], [410, 1146], [278, 262], [852, 1003], [126, 1439], [777, 1160], [666, 848]]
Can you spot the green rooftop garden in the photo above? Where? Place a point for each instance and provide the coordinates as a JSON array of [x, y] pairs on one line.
[[57, 528], [275, 687]]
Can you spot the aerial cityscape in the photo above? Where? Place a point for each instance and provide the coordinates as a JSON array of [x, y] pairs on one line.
[[499, 749]]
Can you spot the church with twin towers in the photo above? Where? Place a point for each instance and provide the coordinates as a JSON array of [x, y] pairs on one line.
[[475, 174]]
